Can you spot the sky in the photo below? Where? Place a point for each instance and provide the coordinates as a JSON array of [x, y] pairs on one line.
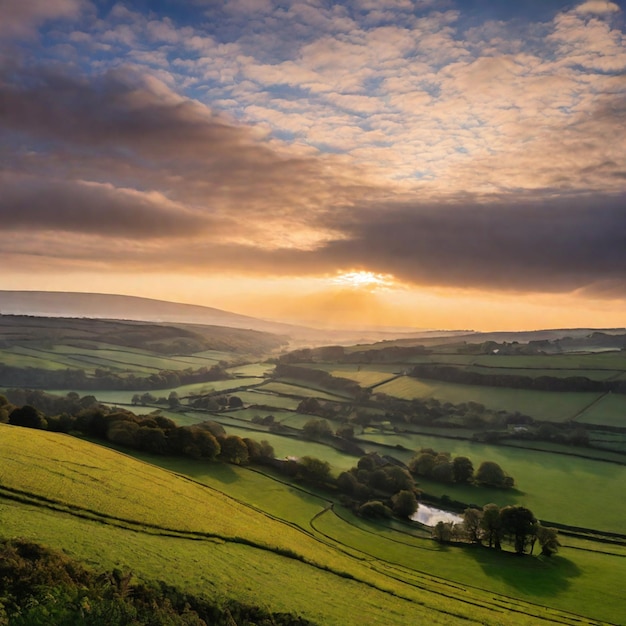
[[412, 163]]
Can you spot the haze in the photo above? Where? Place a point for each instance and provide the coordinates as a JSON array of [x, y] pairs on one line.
[[427, 164]]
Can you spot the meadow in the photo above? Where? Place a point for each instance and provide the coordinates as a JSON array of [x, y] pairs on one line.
[[224, 531], [228, 531], [542, 405]]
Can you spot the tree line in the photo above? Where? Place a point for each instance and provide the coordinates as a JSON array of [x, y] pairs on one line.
[[155, 434], [492, 525], [105, 379], [441, 467], [451, 374]]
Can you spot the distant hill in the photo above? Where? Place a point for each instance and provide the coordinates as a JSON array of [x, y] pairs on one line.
[[108, 306], [116, 307]]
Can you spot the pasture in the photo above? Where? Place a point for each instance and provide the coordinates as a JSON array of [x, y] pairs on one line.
[[299, 390], [556, 487], [548, 406], [609, 410], [225, 531]]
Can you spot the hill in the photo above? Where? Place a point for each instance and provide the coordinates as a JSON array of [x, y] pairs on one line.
[[290, 551], [117, 307]]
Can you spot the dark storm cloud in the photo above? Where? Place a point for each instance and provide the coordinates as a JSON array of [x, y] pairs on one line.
[[94, 208], [549, 245]]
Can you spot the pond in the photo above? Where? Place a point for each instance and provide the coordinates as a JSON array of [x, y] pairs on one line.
[[430, 515]]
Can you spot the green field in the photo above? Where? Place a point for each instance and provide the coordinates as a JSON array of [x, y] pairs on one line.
[[542, 405], [252, 369], [609, 410], [365, 375], [256, 396], [300, 390], [556, 487], [223, 532]]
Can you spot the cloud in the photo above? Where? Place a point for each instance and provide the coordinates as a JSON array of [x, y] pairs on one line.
[[120, 132], [554, 245], [21, 19], [29, 203], [482, 157], [597, 7]]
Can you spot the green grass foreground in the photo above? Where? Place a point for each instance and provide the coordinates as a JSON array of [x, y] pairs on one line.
[[231, 533]]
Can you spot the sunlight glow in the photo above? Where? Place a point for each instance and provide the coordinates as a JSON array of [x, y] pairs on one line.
[[363, 279]]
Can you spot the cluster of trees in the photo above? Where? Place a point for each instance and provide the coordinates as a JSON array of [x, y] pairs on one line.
[[492, 525], [42, 586], [338, 354], [379, 487], [152, 433], [440, 466], [105, 379], [449, 373], [210, 402]]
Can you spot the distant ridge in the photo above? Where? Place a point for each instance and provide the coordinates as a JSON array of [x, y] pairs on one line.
[[110, 306], [135, 308]]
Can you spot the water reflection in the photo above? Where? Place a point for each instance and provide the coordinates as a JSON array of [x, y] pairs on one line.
[[430, 515]]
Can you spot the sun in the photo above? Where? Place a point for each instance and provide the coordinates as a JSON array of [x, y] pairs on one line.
[[363, 279]]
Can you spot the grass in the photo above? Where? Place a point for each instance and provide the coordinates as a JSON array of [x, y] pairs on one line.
[[300, 391], [252, 369], [610, 410], [559, 488], [275, 550], [256, 396], [365, 375], [541, 405]]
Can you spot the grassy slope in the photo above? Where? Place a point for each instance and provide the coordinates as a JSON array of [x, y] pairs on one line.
[[205, 551]]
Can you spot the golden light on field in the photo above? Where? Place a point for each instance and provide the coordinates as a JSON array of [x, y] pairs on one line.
[[363, 279]]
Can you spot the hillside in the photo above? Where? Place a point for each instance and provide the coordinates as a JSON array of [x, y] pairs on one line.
[[112, 511], [117, 307]]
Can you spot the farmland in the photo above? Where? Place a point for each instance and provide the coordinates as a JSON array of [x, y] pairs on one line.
[[543, 405], [189, 517], [291, 562]]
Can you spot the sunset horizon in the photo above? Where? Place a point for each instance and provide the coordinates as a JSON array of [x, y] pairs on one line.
[[432, 164]]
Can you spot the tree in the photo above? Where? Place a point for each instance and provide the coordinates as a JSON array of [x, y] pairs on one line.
[[314, 469], [173, 400], [235, 402], [28, 417], [443, 472], [208, 445], [423, 464], [404, 503], [548, 539], [472, 523], [491, 524], [442, 532], [267, 450], [374, 509], [518, 523], [314, 429], [233, 449], [347, 483], [367, 463], [310, 406], [491, 474], [463, 469]]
